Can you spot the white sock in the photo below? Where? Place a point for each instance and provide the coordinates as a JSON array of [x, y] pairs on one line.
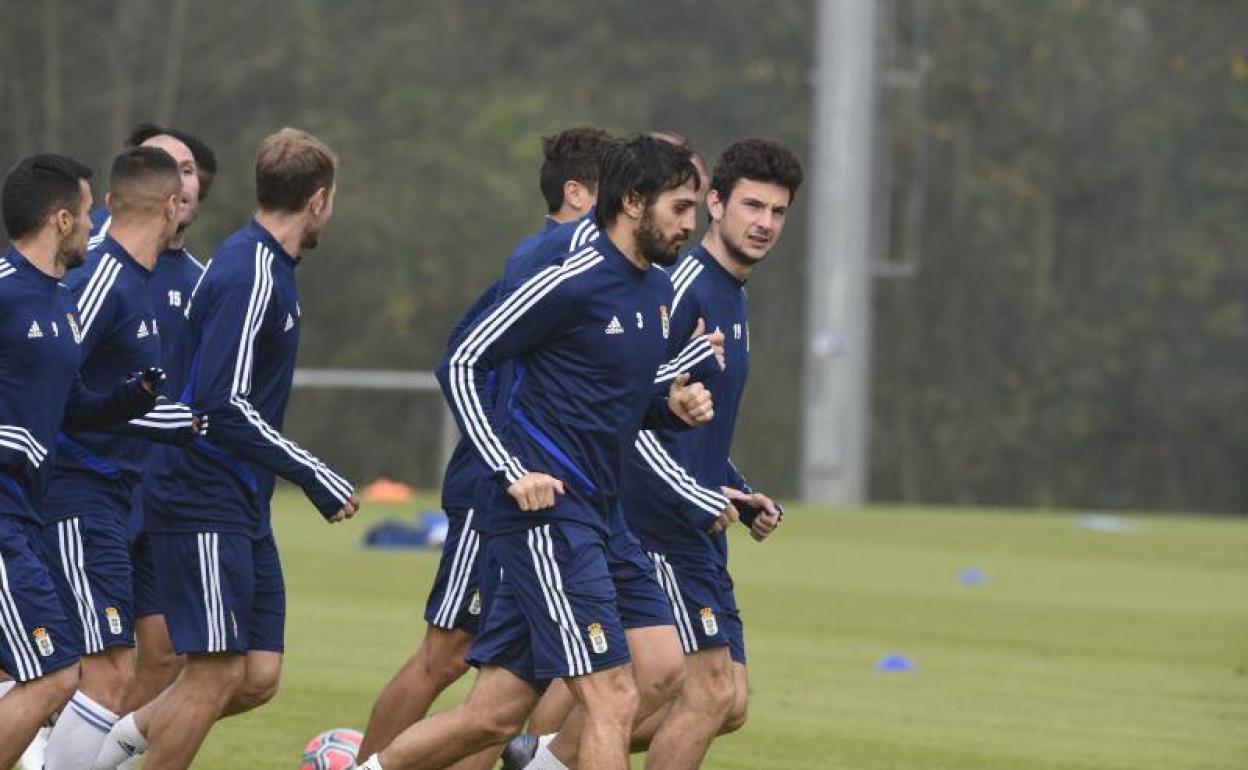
[[5, 686], [78, 735], [123, 742], [373, 763], [544, 740], [545, 760], [33, 756]]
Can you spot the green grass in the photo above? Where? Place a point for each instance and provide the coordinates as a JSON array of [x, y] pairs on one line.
[[1082, 650]]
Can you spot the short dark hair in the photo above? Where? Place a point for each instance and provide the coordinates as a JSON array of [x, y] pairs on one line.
[[759, 160], [574, 155], [642, 165], [135, 174], [291, 166], [205, 158], [37, 186]]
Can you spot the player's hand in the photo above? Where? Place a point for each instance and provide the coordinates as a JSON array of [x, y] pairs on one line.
[[348, 509], [727, 518], [716, 340], [150, 379], [767, 521], [764, 525], [199, 424], [691, 403], [535, 491]]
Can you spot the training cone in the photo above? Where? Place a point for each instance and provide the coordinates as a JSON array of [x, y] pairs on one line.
[[894, 664], [972, 577]]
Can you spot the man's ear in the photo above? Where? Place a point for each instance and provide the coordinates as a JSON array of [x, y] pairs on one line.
[[634, 205], [576, 195], [715, 206], [318, 201]]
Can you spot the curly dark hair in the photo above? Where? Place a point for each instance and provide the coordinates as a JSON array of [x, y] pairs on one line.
[[574, 155], [759, 160], [644, 166]]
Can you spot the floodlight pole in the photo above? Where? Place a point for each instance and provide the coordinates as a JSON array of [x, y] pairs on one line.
[[836, 400]]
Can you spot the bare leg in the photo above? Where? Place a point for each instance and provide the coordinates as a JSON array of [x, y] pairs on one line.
[[25, 708], [261, 675], [435, 665], [493, 712], [608, 700], [189, 707], [552, 710], [658, 665], [697, 713], [740, 703], [157, 663]]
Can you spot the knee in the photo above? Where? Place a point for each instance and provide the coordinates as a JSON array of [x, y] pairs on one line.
[[57, 688], [258, 688], [616, 702], [663, 684], [495, 725], [214, 676], [443, 670], [737, 713]]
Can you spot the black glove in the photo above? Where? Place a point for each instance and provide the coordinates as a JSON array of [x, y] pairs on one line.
[[749, 512], [151, 379]]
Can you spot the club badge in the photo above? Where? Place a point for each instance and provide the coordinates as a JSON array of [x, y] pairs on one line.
[[474, 606], [73, 327], [597, 639], [666, 322], [709, 625], [114, 620], [43, 641]]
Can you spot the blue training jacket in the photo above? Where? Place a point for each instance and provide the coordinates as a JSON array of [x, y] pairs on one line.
[[672, 479], [586, 335], [120, 334], [244, 334], [40, 384]]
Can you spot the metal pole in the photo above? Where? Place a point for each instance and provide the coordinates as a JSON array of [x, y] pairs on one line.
[[838, 357]]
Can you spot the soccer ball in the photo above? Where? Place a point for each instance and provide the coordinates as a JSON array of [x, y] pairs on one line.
[[332, 750]]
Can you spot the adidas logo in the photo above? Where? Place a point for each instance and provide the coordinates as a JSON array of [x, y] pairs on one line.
[[35, 332], [615, 327], [143, 332], [290, 323]]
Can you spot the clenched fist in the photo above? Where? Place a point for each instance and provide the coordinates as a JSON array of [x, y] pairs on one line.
[[535, 491], [691, 403]]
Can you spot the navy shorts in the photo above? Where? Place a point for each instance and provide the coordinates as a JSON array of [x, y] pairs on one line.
[[146, 594], [89, 558], [553, 612], [36, 637], [220, 592], [733, 625], [639, 595], [455, 599], [700, 596]]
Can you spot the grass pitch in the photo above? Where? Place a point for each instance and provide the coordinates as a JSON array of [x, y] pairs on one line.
[[1081, 650]]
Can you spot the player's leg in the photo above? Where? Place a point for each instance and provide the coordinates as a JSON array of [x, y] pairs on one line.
[[266, 630], [735, 630], [38, 646], [658, 659], [208, 587], [92, 569], [494, 711], [436, 664], [697, 713], [607, 701], [156, 663], [452, 612], [552, 710]]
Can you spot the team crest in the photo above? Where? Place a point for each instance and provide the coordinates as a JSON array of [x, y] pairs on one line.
[[709, 625], [474, 606], [43, 641], [73, 327], [597, 639], [114, 620], [666, 322]]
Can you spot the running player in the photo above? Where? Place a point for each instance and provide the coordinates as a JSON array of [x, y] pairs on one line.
[[88, 501], [45, 203], [584, 380], [569, 184], [207, 507], [752, 189]]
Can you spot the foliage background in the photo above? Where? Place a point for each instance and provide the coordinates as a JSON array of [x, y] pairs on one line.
[[1066, 182]]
